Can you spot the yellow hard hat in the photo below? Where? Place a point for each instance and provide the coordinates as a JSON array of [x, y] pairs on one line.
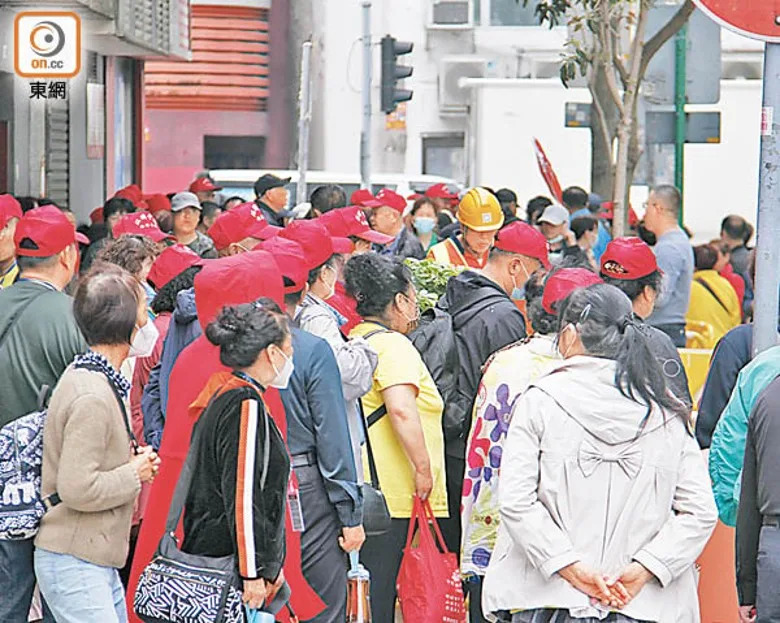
[[479, 210]]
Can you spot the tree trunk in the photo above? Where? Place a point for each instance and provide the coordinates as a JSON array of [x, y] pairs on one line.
[[622, 181], [602, 173]]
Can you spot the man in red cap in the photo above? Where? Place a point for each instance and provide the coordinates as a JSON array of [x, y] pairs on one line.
[[204, 188], [319, 438], [10, 213], [227, 281], [630, 265], [484, 320], [388, 219], [38, 339], [445, 202], [241, 229]]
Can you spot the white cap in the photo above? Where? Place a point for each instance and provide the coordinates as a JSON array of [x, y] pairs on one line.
[[184, 200], [554, 214]]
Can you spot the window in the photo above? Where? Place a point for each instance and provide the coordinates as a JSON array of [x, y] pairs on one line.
[[505, 13], [444, 155], [233, 152]]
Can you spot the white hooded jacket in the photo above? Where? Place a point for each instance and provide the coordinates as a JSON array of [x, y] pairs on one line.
[[580, 482]]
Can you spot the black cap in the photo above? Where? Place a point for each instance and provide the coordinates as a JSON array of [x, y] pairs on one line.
[[268, 181], [505, 195]]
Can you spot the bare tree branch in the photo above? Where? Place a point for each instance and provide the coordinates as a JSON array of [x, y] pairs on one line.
[[667, 32], [619, 66]]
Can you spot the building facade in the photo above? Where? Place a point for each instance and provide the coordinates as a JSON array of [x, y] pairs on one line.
[[82, 148], [224, 107]]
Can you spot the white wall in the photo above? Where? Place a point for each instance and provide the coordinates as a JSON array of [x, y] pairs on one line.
[[720, 179]]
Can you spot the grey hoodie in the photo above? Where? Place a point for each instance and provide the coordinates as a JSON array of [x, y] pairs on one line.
[[580, 481]]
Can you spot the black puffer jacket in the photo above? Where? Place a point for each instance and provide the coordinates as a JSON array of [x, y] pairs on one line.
[[484, 319], [220, 519]]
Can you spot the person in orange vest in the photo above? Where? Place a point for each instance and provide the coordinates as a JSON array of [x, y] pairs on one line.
[[480, 217]]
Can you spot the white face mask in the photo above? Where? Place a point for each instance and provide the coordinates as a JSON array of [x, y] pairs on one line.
[[282, 378], [144, 340]]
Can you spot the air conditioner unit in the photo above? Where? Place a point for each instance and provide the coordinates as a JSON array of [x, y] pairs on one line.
[[451, 14], [452, 97]]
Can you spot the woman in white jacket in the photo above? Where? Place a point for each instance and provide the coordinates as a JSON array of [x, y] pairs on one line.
[[604, 497]]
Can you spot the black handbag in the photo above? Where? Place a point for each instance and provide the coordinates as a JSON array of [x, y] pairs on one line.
[[376, 515], [176, 586]]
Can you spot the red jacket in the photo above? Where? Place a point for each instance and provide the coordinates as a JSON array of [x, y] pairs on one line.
[[736, 281]]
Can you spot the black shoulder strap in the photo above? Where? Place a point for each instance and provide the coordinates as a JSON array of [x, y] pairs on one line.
[[17, 314], [707, 287], [369, 450], [119, 399], [377, 415]]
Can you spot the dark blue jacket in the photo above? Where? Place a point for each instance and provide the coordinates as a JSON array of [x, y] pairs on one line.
[[317, 422], [731, 354], [183, 330]]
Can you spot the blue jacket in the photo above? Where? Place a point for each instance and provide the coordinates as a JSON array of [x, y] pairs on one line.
[[728, 441], [317, 422], [602, 241], [183, 330], [732, 353]]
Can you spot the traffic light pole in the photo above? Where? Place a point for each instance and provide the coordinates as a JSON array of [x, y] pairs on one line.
[[365, 132], [680, 52], [765, 318]]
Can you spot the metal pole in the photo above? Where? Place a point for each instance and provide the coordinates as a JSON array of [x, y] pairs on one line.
[[304, 119], [365, 132], [680, 50], [765, 308]]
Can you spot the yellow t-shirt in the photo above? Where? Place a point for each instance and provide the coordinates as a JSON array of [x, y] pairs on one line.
[[401, 364], [7, 278]]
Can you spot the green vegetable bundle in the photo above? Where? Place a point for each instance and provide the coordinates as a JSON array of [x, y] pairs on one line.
[[430, 280]]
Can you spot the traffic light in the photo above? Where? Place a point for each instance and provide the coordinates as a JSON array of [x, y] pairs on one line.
[[392, 73]]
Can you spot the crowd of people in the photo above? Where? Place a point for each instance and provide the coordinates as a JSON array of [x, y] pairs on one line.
[[541, 407]]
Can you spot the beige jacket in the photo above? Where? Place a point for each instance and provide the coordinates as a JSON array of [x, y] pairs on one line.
[[577, 484], [86, 451]]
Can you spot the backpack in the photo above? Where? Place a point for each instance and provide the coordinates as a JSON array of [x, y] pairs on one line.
[[21, 456]]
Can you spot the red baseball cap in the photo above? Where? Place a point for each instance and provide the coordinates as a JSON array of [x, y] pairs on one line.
[[9, 208], [440, 191], [628, 258], [315, 240], [171, 262], [140, 224], [158, 203], [364, 198], [608, 213], [132, 192], [521, 238], [392, 199], [290, 258], [352, 221], [96, 216], [45, 231], [203, 185], [243, 221], [563, 282]]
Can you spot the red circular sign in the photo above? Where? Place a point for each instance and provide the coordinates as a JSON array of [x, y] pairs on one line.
[[758, 19]]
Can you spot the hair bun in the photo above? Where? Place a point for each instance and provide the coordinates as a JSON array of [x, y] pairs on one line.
[[226, 328]]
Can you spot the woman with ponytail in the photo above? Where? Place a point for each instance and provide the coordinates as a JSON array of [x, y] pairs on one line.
[[604, 497]]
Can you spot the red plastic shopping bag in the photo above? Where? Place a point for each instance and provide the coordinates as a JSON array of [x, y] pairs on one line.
[[429, 585]]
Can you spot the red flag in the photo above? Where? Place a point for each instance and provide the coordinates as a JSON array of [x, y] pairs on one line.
[[546, 169]]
